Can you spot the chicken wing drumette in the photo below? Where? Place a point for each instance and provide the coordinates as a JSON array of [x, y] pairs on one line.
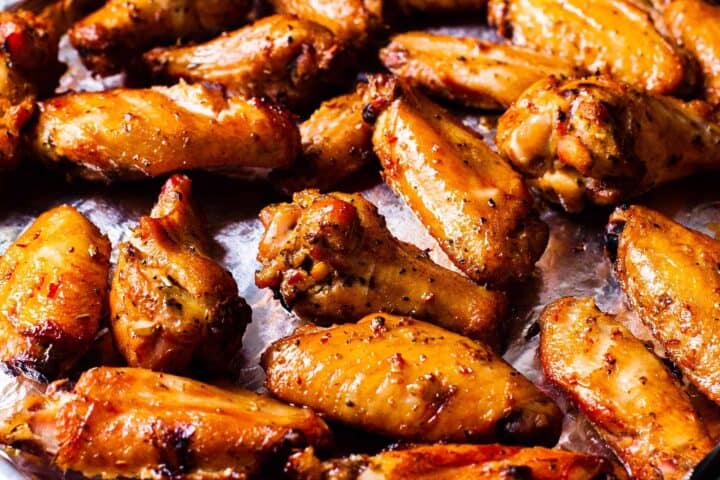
[[135, 423], [53, 292], [411, 380], [627, 392], [171, 305], [127, 134], [601, 142], [332, 259]]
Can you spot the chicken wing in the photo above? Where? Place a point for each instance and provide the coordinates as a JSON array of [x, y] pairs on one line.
[[609, 37], [473, 72], [602, 142], [62, 14], [410, 380], [694, 25], [286, 58], [53, 290], [128, 134], [470, 199], [171, 305], [332, 259], [671, 278], [626, 391], [135, 423], [121, 29]]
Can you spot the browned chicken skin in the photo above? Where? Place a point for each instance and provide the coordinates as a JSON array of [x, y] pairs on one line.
[[470, 199], [601, 142], [53, 292], [671, 278], [332, 260], [128, 134], [626, 391], [121, 29], [610, 37], [454, 462], [288, 59], [411, 380], [62, 14], [473, 72], [171, 305], [135, 423]]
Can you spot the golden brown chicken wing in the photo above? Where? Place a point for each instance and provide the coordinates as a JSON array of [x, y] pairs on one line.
[[128, 134], [411, 380], [53, 292], [332, 260], [62, 14], [626, 391], [473, 72], [135, 423], [110, 37], [454, 462], [609, 37], [602, 142], [470, 199], [695, 24], [289, 59], [671, 278], [171, 305]]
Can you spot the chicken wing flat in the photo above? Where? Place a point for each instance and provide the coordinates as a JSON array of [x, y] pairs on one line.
[[129, 134], [670, 276], [694, 25], [172, 305], [469, 198], [135, 423], [121, 29], [609, 37], [454, 462], [601, 142], [332, 259], [626, 391], [410, 380], [53, 289], [283, 57], [472, 72]]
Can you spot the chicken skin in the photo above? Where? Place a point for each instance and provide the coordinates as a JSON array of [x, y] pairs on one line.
[[411, 380], [694, 25], [288, 59], [601, 142], [469, 71], [62, 14], [670, 276], [171, 305], [469, 198], [122, 29], [129, 134], [332, 259], [135, 423], [53, 291], [609, 37], [625, 391]]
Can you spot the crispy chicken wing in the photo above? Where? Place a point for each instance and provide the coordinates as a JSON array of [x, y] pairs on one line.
[[332, 259], [172, 305], [671, 278], [469, 198], [135, 423], [610, 37], [626, 391], [473, 72], [53, 289], [411, 380], [286, 58], [121, 29], [602, 142], [128, 134], [695, 24]]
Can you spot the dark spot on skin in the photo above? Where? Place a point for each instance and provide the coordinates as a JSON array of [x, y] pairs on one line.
[[611, 238], [370, 114], [517, 472], [173, 445]]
